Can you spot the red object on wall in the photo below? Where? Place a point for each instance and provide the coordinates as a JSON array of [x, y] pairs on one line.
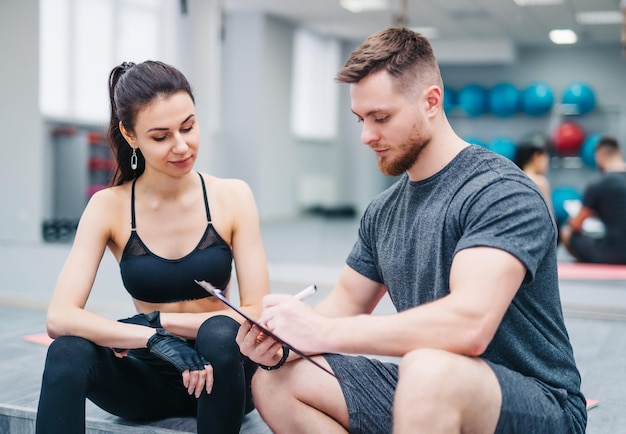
[[568, 138]]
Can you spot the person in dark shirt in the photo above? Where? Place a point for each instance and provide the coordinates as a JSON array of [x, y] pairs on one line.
[[465, 246], [605, 200], [178, 355]]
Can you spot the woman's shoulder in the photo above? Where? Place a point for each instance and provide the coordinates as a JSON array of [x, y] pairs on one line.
[[230, 198], [226, 186], [106, 205], [106, 216], [111, 195]]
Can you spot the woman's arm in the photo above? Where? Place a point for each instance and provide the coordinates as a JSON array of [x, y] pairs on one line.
[[249, 253], [66, 311]]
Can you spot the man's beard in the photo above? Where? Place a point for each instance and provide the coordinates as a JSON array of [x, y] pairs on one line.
[[410, 153]]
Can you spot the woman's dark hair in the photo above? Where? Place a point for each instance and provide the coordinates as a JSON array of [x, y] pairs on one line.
[[131, 88], [527, 148]]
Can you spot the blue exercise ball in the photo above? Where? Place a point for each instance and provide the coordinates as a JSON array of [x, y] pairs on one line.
[[537, 99], [588, 149], [504, 146], [504, 100], [560, 197], [449, 98], [580, 95], [472, 99]]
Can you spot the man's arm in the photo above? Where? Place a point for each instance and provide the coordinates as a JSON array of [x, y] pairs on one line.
[[352, 295], [576, 222], [483, 282]]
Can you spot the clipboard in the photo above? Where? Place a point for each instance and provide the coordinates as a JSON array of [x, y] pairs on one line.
[[219, 294]]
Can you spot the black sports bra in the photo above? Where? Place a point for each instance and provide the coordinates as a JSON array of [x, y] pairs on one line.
[[151, 278]]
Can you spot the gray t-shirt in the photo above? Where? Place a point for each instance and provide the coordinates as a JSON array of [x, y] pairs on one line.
[[410, 233]]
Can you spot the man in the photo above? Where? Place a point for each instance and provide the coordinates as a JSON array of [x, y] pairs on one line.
[[465, 246], [604, 199]]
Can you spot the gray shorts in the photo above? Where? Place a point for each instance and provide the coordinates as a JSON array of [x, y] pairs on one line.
[[528, 406]]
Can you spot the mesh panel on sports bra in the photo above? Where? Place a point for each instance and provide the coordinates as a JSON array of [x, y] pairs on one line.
[[210, 239], [135, 247]]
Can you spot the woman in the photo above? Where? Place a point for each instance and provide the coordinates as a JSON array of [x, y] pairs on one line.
[[178, 355]]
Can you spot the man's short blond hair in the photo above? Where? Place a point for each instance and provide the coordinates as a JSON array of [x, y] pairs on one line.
[[406, 55]]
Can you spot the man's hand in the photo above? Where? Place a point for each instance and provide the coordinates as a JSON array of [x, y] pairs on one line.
[[291, 320], [258, 347]]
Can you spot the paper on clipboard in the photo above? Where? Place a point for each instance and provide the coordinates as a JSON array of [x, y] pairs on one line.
[[220, 295]]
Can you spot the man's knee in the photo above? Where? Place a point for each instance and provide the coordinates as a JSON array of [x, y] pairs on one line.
[[433, 383], [264, 386], [275, 390], [426, 366]]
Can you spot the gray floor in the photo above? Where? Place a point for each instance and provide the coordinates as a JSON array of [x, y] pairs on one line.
[[300, 252]]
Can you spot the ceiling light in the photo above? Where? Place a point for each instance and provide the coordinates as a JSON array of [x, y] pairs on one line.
[[563, 36], [600, 17], [538, 2], [357, 6]]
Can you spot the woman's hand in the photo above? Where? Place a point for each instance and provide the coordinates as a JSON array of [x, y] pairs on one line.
[[196, 370], [195, 381], [119, 353]]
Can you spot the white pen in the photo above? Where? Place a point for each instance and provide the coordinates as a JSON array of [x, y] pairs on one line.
[[306, 293]]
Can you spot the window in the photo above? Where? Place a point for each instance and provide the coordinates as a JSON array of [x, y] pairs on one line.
[[82, 40], [315, 92]]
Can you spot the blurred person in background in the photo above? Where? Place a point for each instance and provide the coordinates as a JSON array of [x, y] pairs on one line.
[[604, 200], [533, 158]]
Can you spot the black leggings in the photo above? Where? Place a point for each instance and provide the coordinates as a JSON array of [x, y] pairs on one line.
[[143, 387]]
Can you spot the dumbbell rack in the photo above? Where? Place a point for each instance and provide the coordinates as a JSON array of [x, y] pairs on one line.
[[81, 164]]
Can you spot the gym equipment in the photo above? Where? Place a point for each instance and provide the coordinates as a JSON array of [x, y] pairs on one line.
[[568, 138], [472, 99], [563, 198], [503, 146], [62, 229], [504, 100], [588, 149], [581, 96], [449, 99], [537, 99]]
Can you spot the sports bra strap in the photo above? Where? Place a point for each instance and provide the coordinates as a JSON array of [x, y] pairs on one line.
[[132, 202], [206, 200]]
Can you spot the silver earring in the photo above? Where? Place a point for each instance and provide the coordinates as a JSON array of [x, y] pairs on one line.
[[133, 160]]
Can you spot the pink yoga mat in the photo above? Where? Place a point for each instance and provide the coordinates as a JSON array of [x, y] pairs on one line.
[[592, 403], [38, 338], [578, 271]]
